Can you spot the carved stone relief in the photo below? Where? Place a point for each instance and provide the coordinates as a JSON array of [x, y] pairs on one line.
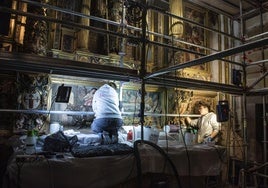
[[184, 102], [32, 95]]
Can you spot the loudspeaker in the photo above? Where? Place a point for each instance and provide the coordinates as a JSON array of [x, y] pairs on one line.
[[222, 111], [63, 94], [236, 77]]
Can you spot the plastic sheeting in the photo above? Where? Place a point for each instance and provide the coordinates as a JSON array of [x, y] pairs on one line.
[[108, 171]]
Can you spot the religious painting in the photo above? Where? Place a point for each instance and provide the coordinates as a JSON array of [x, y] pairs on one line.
[[131, 106], [194, 34], [77, 111]]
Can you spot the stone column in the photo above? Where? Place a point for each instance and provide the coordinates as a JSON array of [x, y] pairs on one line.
[[176, 8], [83, 35], [176, 27]]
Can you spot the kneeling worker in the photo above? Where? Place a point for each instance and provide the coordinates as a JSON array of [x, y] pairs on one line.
[[108, 117]]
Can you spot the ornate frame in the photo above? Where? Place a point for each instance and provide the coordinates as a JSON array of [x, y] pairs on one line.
[[194, 34], [197, 36], [67, 40]]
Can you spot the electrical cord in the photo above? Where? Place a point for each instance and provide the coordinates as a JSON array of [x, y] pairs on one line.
[[161, 151]]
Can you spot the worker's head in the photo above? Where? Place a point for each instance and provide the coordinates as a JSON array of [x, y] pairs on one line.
[[113, 85], [203, 107]]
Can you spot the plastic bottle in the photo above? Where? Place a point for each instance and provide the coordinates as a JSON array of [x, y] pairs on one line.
[[30, 142], [130, 135]]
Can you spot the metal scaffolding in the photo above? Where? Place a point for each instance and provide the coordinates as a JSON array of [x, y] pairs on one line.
[[162, 77]]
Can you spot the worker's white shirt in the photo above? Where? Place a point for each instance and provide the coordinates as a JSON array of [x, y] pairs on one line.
[[106, 103], [206, 125]]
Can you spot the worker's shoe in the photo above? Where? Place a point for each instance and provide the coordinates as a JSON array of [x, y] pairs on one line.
[[109, 138]]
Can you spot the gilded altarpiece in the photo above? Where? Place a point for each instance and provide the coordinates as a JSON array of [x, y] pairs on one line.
[[182, 103], [194, 41], [195, 37]]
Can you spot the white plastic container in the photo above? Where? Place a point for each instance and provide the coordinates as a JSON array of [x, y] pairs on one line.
[[54, 127], [149, 134], [166, 128]]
